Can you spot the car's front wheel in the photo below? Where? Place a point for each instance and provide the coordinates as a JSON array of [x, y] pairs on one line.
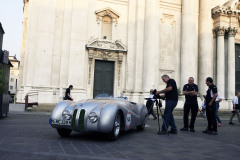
[[64, 132], [116, 127]]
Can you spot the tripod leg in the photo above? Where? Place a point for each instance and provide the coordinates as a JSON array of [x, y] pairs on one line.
[[163, 119], [158, 120]]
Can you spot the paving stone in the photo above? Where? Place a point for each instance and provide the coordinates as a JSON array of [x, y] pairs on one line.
[[29, 136]]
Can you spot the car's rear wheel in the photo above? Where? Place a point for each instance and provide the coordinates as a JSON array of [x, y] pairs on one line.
[[116, 127], [64, 132], [141, 127]]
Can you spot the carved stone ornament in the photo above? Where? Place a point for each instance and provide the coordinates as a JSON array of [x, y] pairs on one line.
[[232, 32], [107, 12], [220, 31], [107, 45]]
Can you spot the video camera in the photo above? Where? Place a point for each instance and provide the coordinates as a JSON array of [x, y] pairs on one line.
[[157, 96]]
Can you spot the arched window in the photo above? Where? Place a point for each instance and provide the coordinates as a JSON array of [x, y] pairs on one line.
[[107, 27]]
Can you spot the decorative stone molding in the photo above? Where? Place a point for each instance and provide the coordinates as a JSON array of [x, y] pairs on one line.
[[107, 45], [108, 51], [227, 15], [232, 32], [167, 18], [220, 31], [107, 12]]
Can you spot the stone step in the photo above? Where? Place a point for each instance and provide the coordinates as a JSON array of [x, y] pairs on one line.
[[179, 112]]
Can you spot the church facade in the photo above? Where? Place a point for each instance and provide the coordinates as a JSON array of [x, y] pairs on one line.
[[123, 47]]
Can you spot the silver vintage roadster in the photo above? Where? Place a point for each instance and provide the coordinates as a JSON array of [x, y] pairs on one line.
[[103, 115]]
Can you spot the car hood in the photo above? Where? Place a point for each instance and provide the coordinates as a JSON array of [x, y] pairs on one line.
[[90, 105]]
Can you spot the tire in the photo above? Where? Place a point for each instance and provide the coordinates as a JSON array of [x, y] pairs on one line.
[[115, 133], [64, 132], [141, 127]]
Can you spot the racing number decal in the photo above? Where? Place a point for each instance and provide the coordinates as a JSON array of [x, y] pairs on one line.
[[128, 120]]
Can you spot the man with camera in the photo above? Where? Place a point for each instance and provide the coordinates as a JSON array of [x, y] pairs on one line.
[[190, 91], [171, 95]]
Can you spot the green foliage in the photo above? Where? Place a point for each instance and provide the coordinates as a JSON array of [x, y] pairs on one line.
[[3, 83], [179, 91]]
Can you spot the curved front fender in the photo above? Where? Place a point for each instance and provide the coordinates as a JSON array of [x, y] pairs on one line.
[[107, 117], [57, 111]]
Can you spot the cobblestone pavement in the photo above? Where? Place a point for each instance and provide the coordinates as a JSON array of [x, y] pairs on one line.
[[29, 136]]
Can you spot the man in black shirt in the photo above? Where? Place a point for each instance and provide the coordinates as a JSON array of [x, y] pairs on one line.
[[171, 95], [67, 93], [190, 91], [210, 103]]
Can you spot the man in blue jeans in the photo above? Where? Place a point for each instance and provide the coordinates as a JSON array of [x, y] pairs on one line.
[[171, 95]]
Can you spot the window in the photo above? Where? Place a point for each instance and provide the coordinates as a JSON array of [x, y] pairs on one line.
[[107, 27], [12, 79], [11, 87]]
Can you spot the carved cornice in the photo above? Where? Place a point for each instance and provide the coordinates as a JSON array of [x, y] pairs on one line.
[[232, 32], [230, 7], [107, 45]]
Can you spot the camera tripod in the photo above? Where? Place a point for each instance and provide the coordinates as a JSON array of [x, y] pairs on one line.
[[159, 111]]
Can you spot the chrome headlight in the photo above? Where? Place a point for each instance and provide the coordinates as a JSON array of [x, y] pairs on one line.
[[66, 115], [93, 117]]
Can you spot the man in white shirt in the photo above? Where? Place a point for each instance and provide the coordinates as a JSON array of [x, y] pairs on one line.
[[218, 100], [235, 108]]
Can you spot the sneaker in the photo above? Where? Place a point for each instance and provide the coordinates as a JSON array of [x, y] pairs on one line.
[[172, 132], [162, 133], [192, 130], [207, 131], [231, 123], [184, 129], [220, 124]]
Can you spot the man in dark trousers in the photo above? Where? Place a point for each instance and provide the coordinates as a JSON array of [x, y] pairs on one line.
[[190, 91], [67, 93], [171, 95], [150, 104], [211, 96]]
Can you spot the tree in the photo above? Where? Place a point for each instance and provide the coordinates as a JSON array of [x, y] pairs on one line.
[[3, 83]]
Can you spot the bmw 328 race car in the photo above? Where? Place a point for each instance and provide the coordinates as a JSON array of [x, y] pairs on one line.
[[103, 115]]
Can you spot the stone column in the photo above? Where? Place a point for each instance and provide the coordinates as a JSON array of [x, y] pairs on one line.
[[131, 45], [220, 61], [189, 46], [205, 55], [151, 45], [139, 45], [231, 62]]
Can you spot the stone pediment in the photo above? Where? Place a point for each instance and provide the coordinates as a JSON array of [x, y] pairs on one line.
[[107, 11], [107, 45], [231, 5]]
